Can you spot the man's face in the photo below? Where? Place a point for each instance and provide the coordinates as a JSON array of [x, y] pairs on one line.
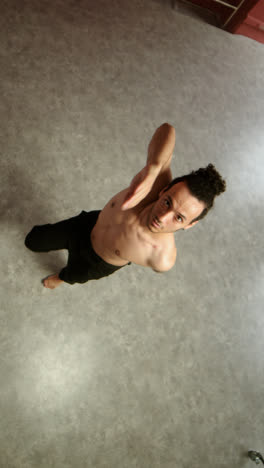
[[174, 210]]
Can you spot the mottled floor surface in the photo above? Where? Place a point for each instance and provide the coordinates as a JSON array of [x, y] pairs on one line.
[[139, 369]]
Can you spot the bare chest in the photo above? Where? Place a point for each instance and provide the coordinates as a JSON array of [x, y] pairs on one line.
[[119, 238]]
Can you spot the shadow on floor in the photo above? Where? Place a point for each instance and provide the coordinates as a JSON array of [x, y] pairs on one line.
[[191, 10], [21, 209]]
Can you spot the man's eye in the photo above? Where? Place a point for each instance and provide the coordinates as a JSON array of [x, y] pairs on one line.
[[179, 219], [167, 202]]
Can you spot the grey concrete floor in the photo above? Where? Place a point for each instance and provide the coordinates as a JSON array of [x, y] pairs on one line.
[[139, 369]]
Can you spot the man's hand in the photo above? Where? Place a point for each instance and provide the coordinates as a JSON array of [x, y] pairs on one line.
[[140, 186]]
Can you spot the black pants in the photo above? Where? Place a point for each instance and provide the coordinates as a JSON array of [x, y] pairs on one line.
[[72, 234]]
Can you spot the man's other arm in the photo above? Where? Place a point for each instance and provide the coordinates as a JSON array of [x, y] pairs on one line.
[[161, 147]]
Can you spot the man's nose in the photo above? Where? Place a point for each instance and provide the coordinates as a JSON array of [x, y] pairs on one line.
[[165, 217]]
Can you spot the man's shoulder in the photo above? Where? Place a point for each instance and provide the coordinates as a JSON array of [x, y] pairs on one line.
[[166, 258]]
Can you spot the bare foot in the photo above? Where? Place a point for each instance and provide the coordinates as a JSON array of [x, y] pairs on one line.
[[52, 281]]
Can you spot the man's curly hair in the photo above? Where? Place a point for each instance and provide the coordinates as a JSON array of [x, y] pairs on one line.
[[204, 184]]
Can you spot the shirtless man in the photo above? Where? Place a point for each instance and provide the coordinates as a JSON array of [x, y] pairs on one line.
[[137, 225]]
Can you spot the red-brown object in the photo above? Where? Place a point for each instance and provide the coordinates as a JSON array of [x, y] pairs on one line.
[[253, 24], [244, 17]]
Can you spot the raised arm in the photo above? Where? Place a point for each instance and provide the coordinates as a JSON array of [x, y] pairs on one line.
[[161, 146], [156, 174]]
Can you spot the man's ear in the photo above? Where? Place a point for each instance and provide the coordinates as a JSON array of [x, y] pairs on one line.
[[190, 225]]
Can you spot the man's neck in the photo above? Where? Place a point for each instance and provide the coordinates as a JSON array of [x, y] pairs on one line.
[[143, 215]]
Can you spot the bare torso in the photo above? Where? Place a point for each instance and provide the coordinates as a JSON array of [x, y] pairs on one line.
[[120, 236]]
